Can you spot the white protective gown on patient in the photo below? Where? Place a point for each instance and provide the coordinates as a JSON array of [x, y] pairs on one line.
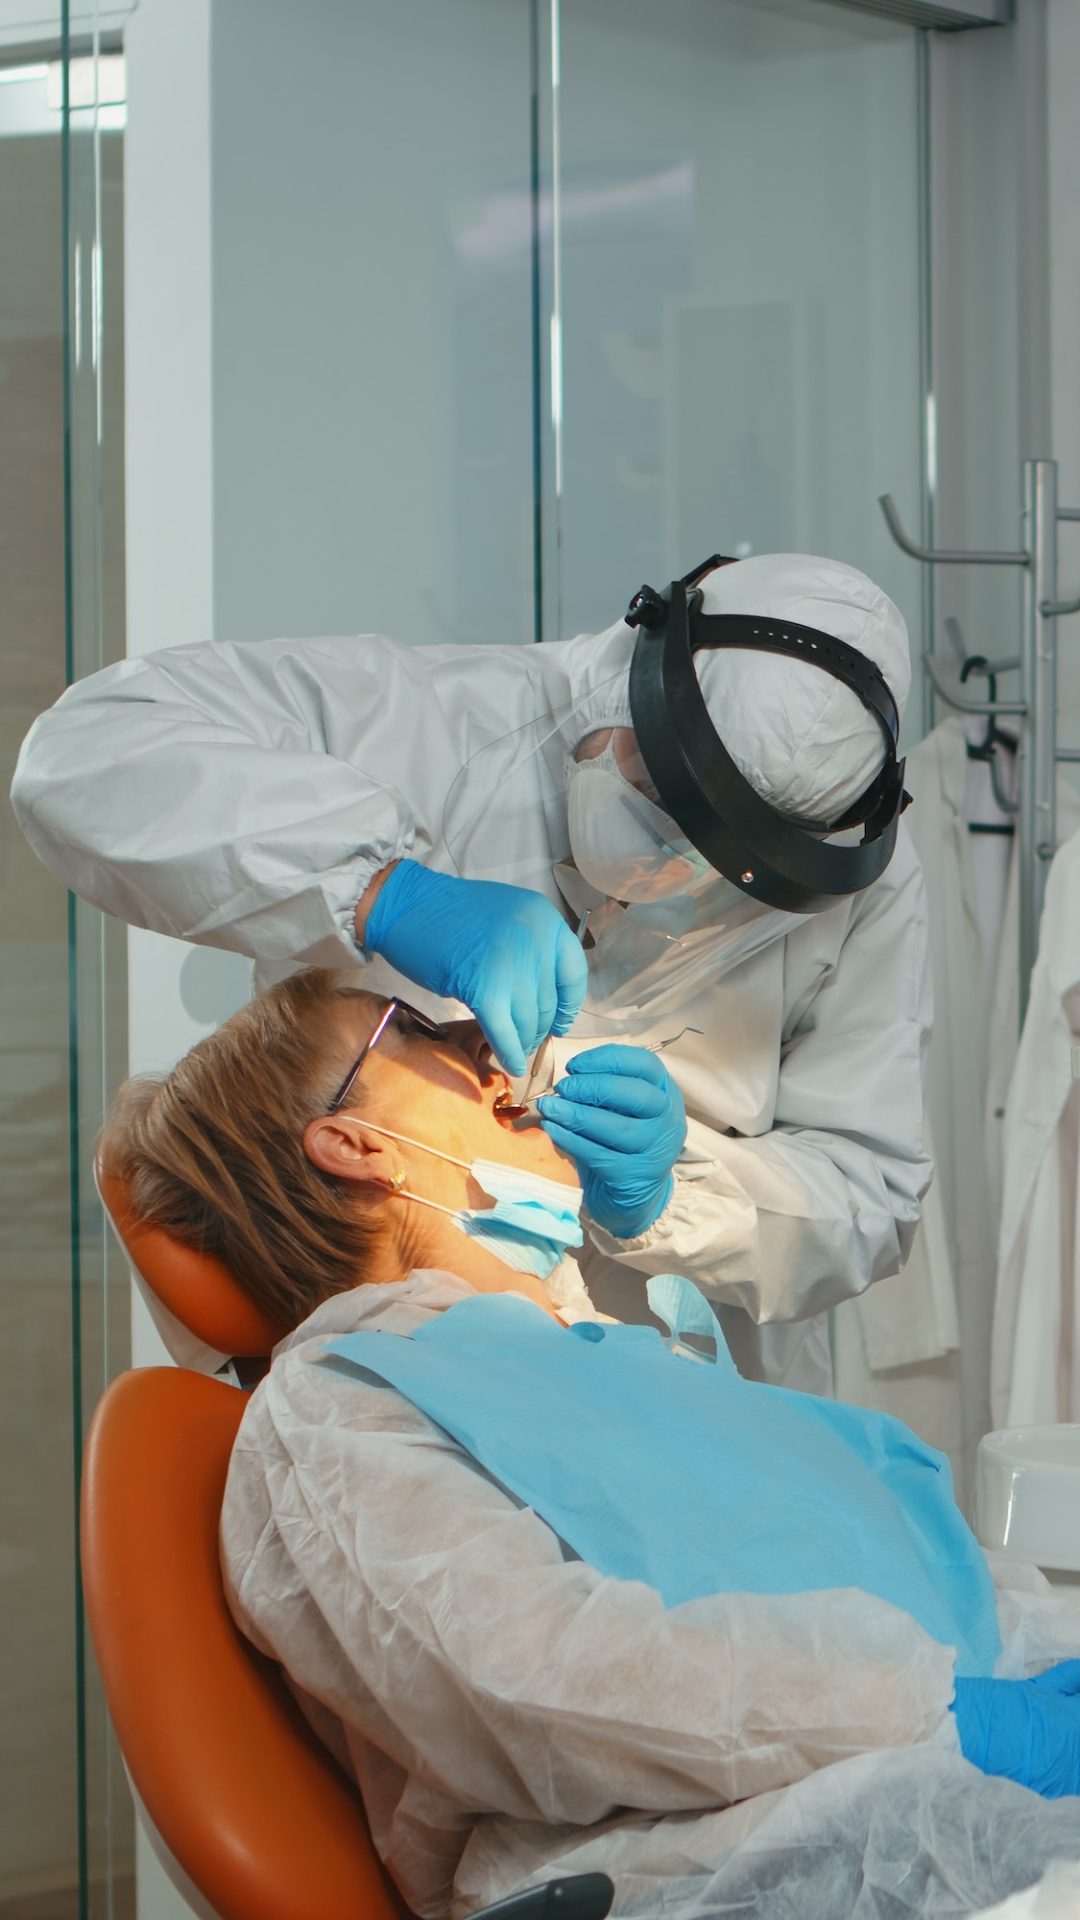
[[511, 1714], [243, 795]]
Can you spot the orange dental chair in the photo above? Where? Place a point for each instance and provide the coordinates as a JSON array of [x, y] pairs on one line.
[[251, 1815], [193, 1287], [243, 1797]]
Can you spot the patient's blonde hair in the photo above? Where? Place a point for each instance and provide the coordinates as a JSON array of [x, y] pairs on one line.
[[213, 1152]]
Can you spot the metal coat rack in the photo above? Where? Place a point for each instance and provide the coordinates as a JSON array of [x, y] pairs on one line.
[[1036, 707]]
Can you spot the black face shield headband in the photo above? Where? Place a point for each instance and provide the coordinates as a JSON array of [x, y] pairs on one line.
[[773, 858]]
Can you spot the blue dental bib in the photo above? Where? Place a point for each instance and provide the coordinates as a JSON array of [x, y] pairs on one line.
[[654, 1462]]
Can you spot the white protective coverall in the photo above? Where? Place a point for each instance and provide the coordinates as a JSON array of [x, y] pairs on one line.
[[1036, 1345], [918, 1346], [511, 1715], [243, 796]]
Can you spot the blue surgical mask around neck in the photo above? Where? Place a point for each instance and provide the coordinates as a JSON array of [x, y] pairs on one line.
[[533, 1223]]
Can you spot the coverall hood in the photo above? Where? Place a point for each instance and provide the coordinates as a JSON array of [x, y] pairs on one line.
[[803, 738]]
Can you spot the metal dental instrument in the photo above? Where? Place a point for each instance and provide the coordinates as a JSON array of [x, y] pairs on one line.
[[540, 1058], [541, 1075], [526, 1109], [543, 1061]]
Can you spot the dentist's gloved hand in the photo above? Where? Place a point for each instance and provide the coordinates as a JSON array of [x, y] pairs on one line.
[[1025, 1730], [505, 951], [620, 1116]]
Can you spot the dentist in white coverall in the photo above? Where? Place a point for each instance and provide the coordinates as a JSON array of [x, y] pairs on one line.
[[350, 803]]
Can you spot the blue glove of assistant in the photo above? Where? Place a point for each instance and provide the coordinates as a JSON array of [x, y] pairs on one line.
[[1025, 1730], [620, 1117], [505, 951]]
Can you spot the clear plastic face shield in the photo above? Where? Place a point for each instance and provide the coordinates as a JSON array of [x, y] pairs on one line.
[[556, 805], [570, 803]]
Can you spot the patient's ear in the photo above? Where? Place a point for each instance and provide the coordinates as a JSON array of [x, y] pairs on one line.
[[339, 1143]]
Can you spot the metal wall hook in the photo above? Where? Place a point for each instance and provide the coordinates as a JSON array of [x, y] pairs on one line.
[[944, 556], [960, 701], [954, 634], [978, 663], [1036, 711]]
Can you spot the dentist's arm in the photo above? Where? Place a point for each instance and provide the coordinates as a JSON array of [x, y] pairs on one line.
[[235, 796], [246, 797]]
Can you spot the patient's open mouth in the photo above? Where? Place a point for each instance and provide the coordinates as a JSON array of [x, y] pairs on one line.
[[508, 1109], [514, 1112]]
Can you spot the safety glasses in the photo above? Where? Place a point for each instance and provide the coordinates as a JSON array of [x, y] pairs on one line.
[[409, 1020]]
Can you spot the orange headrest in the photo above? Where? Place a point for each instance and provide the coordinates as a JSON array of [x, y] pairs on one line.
[[198, 1289]]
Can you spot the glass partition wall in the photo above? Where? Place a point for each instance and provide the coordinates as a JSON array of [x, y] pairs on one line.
[[65, 1831], [731, 282]]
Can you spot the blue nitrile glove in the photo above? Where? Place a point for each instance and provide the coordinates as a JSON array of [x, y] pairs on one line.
[[505, 951], [1025, 1730], [620, 1117]]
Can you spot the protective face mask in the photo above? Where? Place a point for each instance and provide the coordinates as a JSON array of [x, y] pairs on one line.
[[533, 1222], [623, 844]]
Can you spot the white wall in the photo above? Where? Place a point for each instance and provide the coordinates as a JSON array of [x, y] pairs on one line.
[[1007, 309], [1063, 148], [977, 147], [169, 447], [169, 497], [169, 387]]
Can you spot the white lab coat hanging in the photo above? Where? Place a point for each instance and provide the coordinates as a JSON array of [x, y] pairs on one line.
[[1036, 1334], [943, 1389]]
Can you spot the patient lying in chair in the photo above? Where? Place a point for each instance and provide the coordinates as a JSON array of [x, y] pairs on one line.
[[563, 1595]]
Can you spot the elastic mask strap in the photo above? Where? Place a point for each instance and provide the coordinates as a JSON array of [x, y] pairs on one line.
[[407, 1140], [403, 1193]]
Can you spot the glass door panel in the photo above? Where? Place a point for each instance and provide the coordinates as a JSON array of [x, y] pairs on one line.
[[64, 1822]]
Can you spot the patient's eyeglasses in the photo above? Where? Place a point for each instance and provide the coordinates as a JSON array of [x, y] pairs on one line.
[[409, 1020]]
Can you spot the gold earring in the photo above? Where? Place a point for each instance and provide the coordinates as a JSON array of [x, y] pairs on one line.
[[398, 1181]]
